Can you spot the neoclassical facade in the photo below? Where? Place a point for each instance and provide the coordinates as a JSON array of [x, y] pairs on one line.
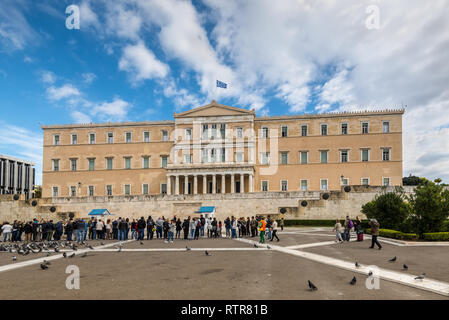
[[219, 149], [17, 176]]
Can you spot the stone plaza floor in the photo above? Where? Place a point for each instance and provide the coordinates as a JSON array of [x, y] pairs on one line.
[[235, 269]]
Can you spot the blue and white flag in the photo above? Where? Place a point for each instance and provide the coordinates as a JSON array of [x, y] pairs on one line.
[[221, 84]]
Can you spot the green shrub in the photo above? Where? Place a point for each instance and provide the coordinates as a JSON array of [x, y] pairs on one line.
[[445, 226], [408, 236], [436, 236], [393, 234]]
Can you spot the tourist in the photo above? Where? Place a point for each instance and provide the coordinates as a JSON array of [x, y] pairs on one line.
[[58, 230], [80, 229], [171, 231], [134, 229], [20, 230], [50, 230], [166, 227], [185, 229], [115, 229], [43, 228], [178, 228], [150, 228], [234, 227], [348, 226], [338, 231], [274, 229], [85, 231], [28, 229], [202, 220], [99, 229], [209, 227], [127, 228], [122, 225], [141, 224], [281, 224], [159, 226], [69, 230], [220, 227], [6, 231], [268, 227], [248, 226], [214, 227], [357, 227], [253, 225], [228, 227], [35, 226], [374, 233], [193, 224], [198, 228], [262, 228], [108, 229], [91, 227]]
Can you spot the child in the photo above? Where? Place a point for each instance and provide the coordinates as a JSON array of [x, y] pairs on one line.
[[338, 231]]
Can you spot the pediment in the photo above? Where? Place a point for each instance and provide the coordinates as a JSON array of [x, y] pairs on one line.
[[212, 110]]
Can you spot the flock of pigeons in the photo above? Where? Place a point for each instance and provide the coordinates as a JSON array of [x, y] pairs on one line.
[[353, 281]]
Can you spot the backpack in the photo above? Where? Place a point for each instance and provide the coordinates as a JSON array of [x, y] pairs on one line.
[[350, 224]]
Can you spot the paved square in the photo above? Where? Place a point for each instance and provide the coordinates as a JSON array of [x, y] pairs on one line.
[[235, 269]]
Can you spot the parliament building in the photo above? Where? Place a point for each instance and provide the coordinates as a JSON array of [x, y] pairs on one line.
[[219, 149]]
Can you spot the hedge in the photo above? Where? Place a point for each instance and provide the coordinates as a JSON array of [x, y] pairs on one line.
[[317, 223], [436, 236], [387, 233]]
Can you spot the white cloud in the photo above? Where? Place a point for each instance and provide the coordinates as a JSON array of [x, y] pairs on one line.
[[27, 59], [48, 77], [89, 77], [112, 111], [63, 92], [80, 117], [88, 18], [141, 63]]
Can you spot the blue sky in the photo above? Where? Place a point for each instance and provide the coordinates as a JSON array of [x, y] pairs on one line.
[[145, 59]]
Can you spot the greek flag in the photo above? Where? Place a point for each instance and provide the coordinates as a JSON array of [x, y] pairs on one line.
[[221, 84]]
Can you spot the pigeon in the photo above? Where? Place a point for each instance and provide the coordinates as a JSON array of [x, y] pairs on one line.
[[392, 259], [207, 253], [47, 262], [141, 242], [64, 255], [312, 286], [353, 281], [404, 267], [14, 258], [370, 274], [84, 255], [48, 253], [43, 266], [421, 277], [187, 248], [90, 247], [255, 245], [357, 265], [120, 249], [72, 255], [102, 243], [74, 248], [56, 249], [268, 247]]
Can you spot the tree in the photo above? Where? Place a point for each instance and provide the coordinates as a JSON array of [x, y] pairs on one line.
[[412, 180], [389, 209], [429, 207]]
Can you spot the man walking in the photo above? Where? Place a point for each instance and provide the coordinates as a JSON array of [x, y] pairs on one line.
[[274, 228], [374, 233]]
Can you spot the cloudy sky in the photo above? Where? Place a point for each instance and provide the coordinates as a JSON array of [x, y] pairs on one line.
[[143, 60]]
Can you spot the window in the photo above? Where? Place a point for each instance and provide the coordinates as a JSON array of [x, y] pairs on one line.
[[239, 133], [204, 155], [109, 190], [304, 157], [212, 155], [284, 185], [128, 137], [323, 156], [110, 137], [127, 162], [264, 185], [188, 134], [223, 130], [145, 162], [91, 164], [92, 138], [73, 164], [223, 154], [55, 192], [345, 182], [214, 131], [264, 158], [56, 165], [187, 158], [304, 185], [239, 156], [386, 126], [365, 128], [344, 128], [56, 139], [145, 189], [323, 184], [74, 139], [264, 132], [344, 156], [365, 154], [205, 131], [164, 188], [73, 191], [304, 130], [127, 190], [385, 154], [164, 161], [365, 181], [385, 182], [146, 136], [284, 157], [109, 163], [164, 135], [91, 191], [284, 131], [324, 129]]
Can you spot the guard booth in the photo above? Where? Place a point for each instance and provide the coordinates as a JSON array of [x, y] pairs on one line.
[[207, 212]]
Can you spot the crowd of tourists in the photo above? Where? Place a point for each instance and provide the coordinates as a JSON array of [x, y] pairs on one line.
[[123, 229]]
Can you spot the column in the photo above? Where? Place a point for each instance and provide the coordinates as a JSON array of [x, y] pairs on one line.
[[204, 184], [214, 183], [186, 184], [168, 185], [232, 183], [250, 181], [223, 183], [195, 184], [177, 185], [242, 183]]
